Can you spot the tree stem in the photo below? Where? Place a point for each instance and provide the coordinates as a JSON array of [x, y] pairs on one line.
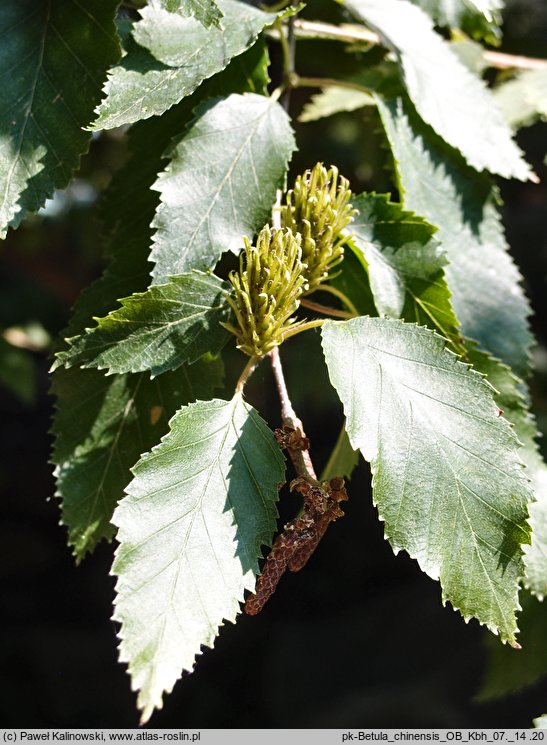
[[353, 34], [288, 46], [300, 458]]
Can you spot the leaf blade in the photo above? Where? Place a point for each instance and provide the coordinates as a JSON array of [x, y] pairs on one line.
[[417, 396], [206, 11], [146, 84], [480, 270], [479, 18], [101, 427], [446, 94], [405, 264], [52, 68], [157, 330], [230, 478], [239, 148]]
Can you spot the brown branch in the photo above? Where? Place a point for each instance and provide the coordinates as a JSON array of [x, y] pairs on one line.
[[300, 537], [357, 34], [298, 448]]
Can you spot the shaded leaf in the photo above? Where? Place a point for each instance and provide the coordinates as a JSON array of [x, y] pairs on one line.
[[478, 18], [191, 528], [535, 556], [53, 60], [129, 204], [405, 264], [17, 371], [456, 103], [101, 427], [342, 460], [447, 481], [436, 182], [523, 100], [353, 280], [333, 100], [120, 417], [512, 397], [206, 11], [156, 330], [220, 183], [510, 670], [170, 56]]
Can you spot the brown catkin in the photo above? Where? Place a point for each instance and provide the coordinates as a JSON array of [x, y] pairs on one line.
[[294, 546]]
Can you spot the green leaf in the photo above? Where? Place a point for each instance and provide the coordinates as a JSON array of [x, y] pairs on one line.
[[512, 397], [129, 204], [479, 18], [53, 60], [333, 100], [101, 427], [221, 182], [170, 56], [447, 481], [523, 100], [191, 528], [206, 11], [17, 371], [509, 670], [95, 459], [352, 279], [343, 459], [534, 555], [485, 283], [456, 103], [157, 330], [405, 265]]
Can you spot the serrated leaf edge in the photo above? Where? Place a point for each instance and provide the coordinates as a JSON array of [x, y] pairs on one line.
[[466, 617]]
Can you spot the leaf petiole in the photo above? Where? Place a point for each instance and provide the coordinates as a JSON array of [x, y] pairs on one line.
[[303, 327], [341, 296], [334, 312], [248, 370]]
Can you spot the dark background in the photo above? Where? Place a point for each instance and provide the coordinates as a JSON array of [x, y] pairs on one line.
[[360, 638]]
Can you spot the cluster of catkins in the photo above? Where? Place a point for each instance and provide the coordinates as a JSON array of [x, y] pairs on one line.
[[291, 261]]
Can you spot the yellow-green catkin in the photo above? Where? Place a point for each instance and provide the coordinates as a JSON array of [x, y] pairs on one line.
[[267, 290], [318, 208]]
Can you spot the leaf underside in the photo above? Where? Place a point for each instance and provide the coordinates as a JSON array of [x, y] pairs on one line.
[[448, 482], [332, 101], [447, 95], [220, 183], [53, 59], [523, 100], [199, 508], [478, 18], [436, 182]]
